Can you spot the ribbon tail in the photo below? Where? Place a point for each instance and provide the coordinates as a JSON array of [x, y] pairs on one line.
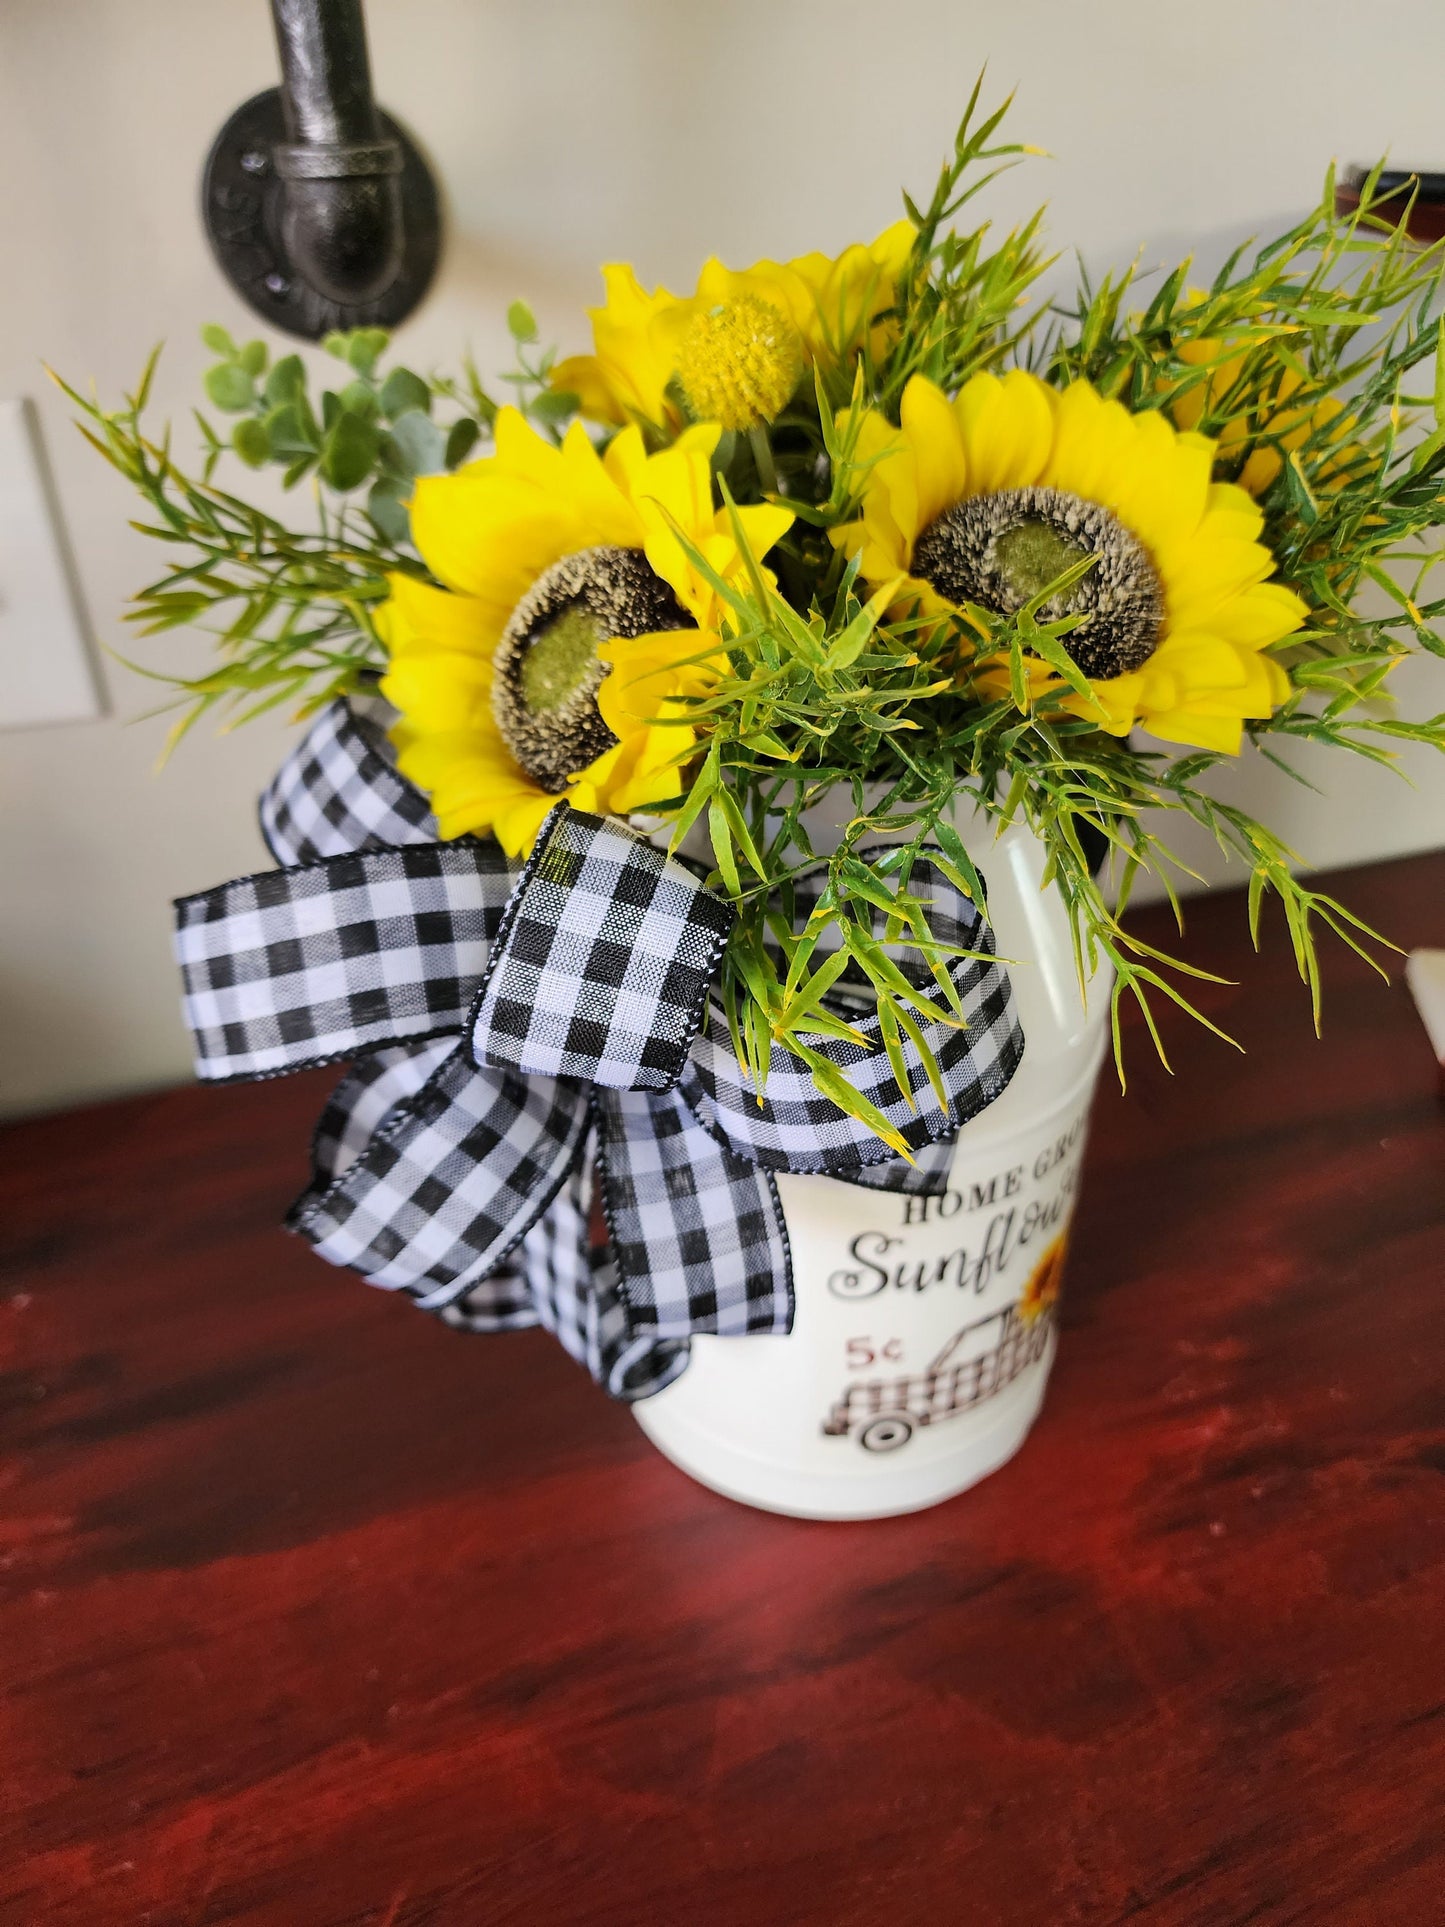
[[355, 1111], [450, 1183], [340, 790], [361, 1102], [500, 1302], [574, 1287], [697, 1231]]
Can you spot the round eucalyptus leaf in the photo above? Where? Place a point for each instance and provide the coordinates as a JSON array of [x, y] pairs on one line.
[[349, 451], [387, 510], [229, 387], [286, 380], [251, 442], [290, 432], [403, 391], [364, 346], [419, 442], [553, 405], [359, 398], [521, 322], [462, 438]]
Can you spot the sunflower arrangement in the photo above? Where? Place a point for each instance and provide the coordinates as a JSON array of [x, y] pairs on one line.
[[859, 534]]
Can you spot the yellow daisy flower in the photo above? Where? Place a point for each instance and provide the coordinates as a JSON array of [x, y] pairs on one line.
[[571, 625], [739, 344], [988, 498]]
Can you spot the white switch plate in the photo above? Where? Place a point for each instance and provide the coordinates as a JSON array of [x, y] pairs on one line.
[[46, 671]]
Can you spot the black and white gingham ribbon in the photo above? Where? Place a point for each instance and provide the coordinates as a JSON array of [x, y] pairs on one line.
[[520, 1039]]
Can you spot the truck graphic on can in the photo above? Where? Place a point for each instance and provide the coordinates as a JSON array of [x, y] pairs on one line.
[[978, 1361]]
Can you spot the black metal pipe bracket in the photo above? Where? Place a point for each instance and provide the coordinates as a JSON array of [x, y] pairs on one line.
[[320, 210]]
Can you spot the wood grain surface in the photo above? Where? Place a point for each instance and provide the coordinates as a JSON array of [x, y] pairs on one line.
[[314, 1612]]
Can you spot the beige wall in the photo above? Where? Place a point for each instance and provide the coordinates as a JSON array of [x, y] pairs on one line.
[[566, 132]]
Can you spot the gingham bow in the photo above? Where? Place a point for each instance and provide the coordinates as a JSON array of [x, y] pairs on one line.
[[518, 1036]]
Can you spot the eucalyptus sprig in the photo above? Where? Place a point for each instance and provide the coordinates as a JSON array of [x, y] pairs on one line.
[[291, 611]]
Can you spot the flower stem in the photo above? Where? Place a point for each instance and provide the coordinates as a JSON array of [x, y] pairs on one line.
[[763, 459]]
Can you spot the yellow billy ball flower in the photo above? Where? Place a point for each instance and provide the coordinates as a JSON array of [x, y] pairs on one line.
[[556, 657], [986, 499], [784, 315], [739, 364]]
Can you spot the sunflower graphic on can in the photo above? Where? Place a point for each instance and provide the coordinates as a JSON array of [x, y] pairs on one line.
[[1046, 1281]]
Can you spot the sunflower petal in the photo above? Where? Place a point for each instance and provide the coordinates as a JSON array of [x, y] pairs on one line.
[[1195, 730], [940, 467], [417, 617], [1007, 427]]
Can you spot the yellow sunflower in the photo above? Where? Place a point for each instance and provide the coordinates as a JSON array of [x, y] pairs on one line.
[[988, 498], [1286, 427], [570, 627], [737, 347]]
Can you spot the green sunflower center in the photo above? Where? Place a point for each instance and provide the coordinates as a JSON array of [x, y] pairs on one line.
[[1033, 554], [547, 672], [1005, 549], [561, 659]]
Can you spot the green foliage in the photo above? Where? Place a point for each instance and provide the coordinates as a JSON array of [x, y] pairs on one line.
[[292, 613], [403, 393], [374, 432], [230, 387], [1308, 357], [848, 705], [827, 698], [960, 305], [521, 322]]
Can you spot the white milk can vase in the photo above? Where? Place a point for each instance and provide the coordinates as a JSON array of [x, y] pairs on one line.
[[925, 1327]]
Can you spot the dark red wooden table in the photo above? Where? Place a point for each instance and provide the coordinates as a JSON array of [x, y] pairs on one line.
[[317, 1613]]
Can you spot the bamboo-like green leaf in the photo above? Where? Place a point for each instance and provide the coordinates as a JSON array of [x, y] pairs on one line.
[[724, 800], [888, 1024], [957, 864], [809, 994], [886, 974], [836, 1088], [720, 832]]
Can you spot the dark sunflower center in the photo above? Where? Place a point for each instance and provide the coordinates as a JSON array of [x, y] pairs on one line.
[[547, 671], [1003, 550]]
